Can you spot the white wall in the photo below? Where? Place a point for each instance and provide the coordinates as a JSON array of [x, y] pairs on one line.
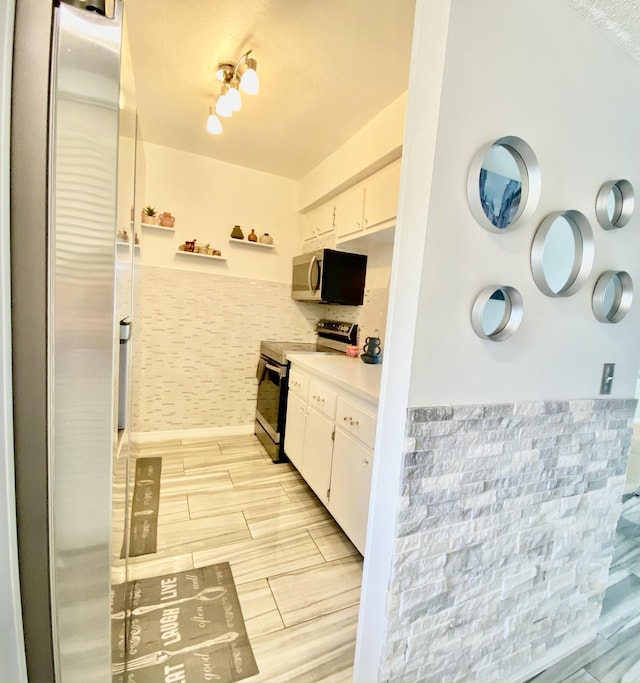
[[542, 77], [547, 85], [208, 197], [375, 145], [12, 660]]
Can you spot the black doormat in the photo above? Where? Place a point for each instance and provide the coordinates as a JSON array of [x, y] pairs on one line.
[[143, 536], [186, 626]]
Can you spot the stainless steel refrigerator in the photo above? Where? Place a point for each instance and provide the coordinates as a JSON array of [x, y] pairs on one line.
[[64, 155]]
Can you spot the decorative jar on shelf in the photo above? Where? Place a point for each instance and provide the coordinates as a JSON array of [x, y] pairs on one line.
[[266, 238], [237, 233], [167, 220], [252, 237]]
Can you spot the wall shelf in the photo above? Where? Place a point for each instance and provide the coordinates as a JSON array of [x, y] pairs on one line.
[[252, 244], [121, 243], [191, 253], [157, 227]]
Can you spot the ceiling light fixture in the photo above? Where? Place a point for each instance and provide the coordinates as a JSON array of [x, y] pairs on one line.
[[214, 126], [242, 75]]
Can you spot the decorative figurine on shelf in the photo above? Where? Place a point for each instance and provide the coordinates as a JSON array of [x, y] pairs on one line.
[[216, 252], [122, 236], [190, 246], [136, 239], [167, 220], [237, 233], [252, 237], [149, 215], [266, 238], [371, 350]]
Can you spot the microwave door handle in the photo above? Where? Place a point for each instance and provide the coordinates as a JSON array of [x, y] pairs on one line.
[[311, 264]]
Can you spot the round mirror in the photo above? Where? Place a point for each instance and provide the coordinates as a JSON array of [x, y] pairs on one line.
[[612, 296], [496, 312], [503, 183], [562, 253], [614, 204]]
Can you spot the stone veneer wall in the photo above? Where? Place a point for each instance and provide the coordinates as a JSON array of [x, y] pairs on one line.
[[504, 537], [197, 338]]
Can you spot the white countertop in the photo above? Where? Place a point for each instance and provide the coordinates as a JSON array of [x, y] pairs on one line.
[[352, 374]]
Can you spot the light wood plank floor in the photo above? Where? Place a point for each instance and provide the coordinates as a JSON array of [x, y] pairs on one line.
[[298, 576]]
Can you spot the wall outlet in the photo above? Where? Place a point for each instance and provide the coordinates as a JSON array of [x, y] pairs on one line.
[[607, 378]]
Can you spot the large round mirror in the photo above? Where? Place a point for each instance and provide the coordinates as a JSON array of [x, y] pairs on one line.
[[562, 253], [496, 312], [614, 204], [503, 183], [612, 296]]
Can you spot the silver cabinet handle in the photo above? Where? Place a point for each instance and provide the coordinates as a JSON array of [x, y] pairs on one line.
[[351, 421], [365, 462]]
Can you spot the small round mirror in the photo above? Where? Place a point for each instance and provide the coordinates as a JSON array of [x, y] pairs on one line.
[[503, 183], [612, 296], [496, 313], [614, 204], [562, 253]]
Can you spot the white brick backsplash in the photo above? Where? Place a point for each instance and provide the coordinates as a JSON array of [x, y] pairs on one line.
[[523, 554], [196, 341]]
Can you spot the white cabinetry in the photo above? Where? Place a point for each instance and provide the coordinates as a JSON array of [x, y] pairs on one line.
[[296, 424], [329, 439], [318, 228], [370, 206], [351, 486]]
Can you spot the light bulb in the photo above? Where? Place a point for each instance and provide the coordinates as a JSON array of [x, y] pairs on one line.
[[234, 98], [223, 106], [249, 82], [213, 123]]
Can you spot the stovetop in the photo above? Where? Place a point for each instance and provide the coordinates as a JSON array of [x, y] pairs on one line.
[[333, 337], [277, 350]]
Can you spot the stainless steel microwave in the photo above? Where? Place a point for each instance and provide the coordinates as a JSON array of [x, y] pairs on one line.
[[329, 276]]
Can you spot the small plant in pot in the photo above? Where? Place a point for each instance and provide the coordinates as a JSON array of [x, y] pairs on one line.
[[149, 215]]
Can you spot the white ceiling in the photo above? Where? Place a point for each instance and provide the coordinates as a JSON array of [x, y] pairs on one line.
[[326, 67]]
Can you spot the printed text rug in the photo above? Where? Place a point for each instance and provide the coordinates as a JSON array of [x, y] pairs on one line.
[[186, 626], [143, 537]]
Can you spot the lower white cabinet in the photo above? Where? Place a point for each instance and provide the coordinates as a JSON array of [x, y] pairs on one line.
[[351, 486], [318, 448], [294, 434], [329, 439]]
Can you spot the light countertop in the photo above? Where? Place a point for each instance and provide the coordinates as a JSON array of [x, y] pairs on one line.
[[352, 374]]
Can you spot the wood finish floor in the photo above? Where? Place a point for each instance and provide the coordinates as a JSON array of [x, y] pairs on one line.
[[297, 575]]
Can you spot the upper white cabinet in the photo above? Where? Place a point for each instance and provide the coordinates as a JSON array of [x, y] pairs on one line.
[[364, 209], [381, 197], [319, 221], [370, 206]]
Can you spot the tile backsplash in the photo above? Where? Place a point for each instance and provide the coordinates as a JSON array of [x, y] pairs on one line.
[[197, 340]]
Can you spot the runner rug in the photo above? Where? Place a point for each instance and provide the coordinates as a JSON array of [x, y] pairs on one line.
[[186, 626], [143, 536]]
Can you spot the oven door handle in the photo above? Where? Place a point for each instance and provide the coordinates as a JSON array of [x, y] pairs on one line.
[[274, 368]]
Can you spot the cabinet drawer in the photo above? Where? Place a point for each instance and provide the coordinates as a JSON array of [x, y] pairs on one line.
[[322, 398], [299, 384], [357, 421]]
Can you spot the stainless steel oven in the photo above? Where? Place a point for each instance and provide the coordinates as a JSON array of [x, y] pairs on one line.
[[273, 379]]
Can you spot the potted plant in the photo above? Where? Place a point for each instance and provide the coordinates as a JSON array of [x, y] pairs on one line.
[[149, 215]]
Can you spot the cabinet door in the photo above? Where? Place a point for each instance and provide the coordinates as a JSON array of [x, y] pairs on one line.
[[349, 211], [318, 221], [294, 432], [381, 196], [318, 452], [350, 487]]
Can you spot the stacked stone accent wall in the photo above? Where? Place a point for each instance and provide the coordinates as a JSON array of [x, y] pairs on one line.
[[504, 535]]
